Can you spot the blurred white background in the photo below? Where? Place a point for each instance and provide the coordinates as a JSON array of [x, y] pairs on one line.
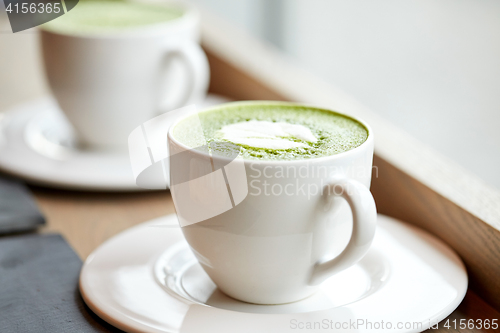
[[430, 66]]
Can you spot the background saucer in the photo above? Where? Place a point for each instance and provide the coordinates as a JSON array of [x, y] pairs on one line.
[[408, 277], [37, 144]]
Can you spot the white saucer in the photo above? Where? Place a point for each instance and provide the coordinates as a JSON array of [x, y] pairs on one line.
[[37, 144], [146, 280]]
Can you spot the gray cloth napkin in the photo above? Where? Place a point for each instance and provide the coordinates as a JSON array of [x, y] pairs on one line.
[[18, 210], [39, 287]]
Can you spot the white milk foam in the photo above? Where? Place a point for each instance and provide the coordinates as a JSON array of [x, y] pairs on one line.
[[266, 134]]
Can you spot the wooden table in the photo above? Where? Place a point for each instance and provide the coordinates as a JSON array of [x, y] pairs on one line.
[[412, 177], [87, 219]]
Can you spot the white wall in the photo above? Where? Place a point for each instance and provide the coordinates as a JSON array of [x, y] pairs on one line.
[[430, 66], [245, 13]]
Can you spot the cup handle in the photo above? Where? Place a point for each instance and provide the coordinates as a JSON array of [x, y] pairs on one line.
[[364, 215], [198, 73]]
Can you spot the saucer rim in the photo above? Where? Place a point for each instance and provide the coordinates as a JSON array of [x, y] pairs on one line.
[[130, 326], [13, 123]]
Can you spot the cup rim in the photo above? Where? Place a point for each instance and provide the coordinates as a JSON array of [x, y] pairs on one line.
[[362, 146], [190, 15]]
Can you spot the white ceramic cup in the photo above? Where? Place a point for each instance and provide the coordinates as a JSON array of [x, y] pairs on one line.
[[109, 83], [269, 232]]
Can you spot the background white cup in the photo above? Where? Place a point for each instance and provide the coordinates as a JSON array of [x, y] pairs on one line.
[[109, 83], [270, 232]]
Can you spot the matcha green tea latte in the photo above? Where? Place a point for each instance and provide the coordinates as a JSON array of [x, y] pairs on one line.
[[273, 131], [96, 17]]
